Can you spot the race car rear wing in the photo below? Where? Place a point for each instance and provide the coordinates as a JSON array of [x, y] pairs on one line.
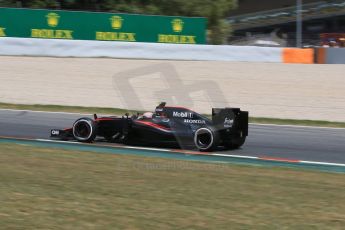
[[231, 120]]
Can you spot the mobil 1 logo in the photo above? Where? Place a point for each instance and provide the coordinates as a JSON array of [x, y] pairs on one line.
[[182, 114]]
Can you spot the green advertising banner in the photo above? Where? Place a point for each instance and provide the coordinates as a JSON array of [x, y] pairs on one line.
[[54, 24]]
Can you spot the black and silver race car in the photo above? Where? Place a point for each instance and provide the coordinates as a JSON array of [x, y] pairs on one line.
[[167, 126]]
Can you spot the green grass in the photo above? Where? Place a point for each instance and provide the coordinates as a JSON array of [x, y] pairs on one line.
[[57, 189], [117, 111]]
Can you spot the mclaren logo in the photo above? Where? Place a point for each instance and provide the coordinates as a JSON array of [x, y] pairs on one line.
[[116, 22], [53, 19], [177, 25]]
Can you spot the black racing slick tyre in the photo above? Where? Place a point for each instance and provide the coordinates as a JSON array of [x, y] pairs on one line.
[[84, 130], [206, 139]]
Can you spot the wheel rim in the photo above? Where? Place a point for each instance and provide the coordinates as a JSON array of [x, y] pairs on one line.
[[203, 138], [82, 130]]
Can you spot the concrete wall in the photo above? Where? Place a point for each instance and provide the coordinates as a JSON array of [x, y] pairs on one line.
[[335, 56], [136, 50], [330, 55], [265, 89]]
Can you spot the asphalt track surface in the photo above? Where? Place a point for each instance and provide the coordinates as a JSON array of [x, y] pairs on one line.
[[272, 141]]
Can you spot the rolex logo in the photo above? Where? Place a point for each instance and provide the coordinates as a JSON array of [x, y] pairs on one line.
[[177, 25], [116, 22], [53, 19]]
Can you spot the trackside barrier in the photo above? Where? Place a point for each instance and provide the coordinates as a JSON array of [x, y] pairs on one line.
[[295, 55], [79, 25], [320, 55], [136, 50], [330, 56], [139, 50]]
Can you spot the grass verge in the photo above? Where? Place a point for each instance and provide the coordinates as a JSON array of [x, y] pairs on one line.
[[56, 189], [117, 111]]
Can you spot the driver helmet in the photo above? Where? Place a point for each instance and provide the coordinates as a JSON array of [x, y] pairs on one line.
[[147, 115]]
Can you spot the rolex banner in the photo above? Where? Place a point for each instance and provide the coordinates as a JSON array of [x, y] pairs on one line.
[[52, 24]]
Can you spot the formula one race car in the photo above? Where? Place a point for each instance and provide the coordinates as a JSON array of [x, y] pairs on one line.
[[165, 127]]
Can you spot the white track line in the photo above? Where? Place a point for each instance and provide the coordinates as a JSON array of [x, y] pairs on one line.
[[57, 141], [236, 156], [144, 148], [100, 145], [284, 160], [323, 163]]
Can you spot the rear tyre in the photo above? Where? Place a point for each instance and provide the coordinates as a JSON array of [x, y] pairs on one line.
[[84, 130], [206, 139]]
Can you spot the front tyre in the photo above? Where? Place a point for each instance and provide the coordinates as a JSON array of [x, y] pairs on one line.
[[206, 139], [84, 130]]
